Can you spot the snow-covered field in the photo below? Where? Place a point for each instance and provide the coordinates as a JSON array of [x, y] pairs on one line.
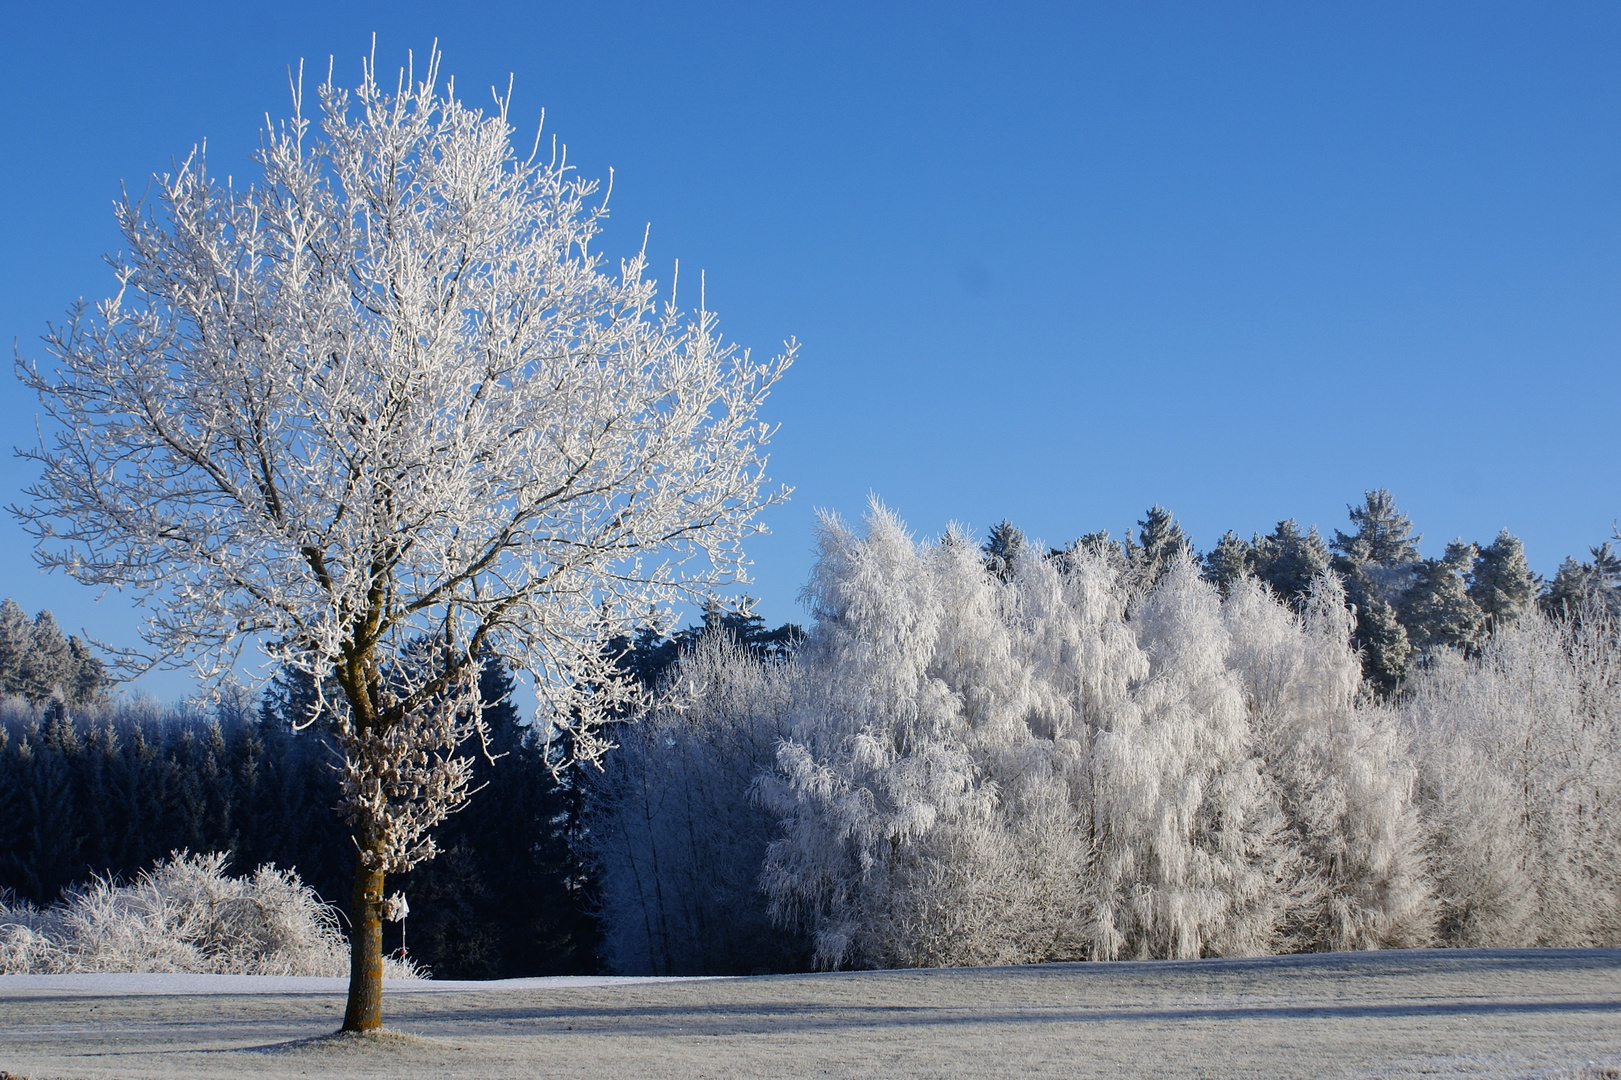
[[1476, 1013]]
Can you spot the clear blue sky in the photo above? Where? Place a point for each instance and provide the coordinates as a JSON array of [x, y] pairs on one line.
[[1054, 263]]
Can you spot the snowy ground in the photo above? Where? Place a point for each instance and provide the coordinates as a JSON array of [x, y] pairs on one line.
[[1553, 1013]]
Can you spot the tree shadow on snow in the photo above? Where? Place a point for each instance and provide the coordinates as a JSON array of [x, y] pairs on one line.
[[339, 1044]]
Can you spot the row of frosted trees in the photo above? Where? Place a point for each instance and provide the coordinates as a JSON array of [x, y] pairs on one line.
[[979, 755], [1048, 756]]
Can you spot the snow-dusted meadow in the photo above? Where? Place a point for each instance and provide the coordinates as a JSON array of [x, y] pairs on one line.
[[1440, 1013]]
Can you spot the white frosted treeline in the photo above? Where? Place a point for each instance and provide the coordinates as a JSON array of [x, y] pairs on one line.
[[1050, 767], [1050, 763], [185, 915]]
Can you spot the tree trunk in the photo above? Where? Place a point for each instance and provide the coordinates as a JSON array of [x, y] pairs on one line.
[[365, 1011]]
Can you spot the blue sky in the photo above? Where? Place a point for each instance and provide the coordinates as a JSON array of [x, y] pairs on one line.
[[1053, 263]]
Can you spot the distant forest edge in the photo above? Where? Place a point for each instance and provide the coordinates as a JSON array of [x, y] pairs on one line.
[[107, 786], [978, 753], [1406, 606]]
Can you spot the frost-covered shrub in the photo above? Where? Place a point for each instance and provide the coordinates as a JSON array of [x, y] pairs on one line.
[[1520, 750], [184, 915]]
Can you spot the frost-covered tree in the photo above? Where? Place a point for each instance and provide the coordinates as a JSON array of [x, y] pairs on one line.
[[1520, 750], [1080, 661], [1002, 547], [676, 837], [1096, 544], [1500, 583], [384, 412], [1059, 766], [1436, 609], [1188, 859], [1289, 560], [1355, 860], [1229, 562], [1159, 543], [877, 783]]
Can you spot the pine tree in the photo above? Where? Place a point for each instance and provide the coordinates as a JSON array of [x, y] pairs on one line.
[[1579, 587], [1607, 565], [37, 663], [1436, 610], [48, 665], [93, 779], [511, 895], [1384, 535], [1569, 590], [739, 623], [1289, 560], [1500, 583], [1228, 562], [1159, 544], [88, 680], [1386, 652], [13, 805], [15, 635], [1378, 563], [54, 832], [146, 779], [1002, 548]]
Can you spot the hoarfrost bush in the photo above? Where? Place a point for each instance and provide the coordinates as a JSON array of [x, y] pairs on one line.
[[184, 915]]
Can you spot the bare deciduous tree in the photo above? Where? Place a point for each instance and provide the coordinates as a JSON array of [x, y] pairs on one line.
[[381, 413]]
